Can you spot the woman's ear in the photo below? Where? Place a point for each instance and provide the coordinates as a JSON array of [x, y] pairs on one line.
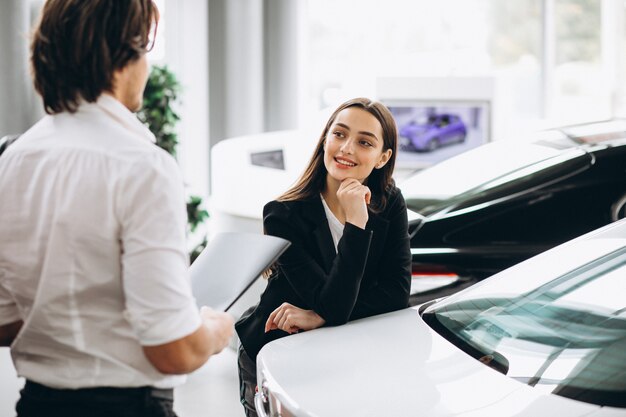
[[384, 158]]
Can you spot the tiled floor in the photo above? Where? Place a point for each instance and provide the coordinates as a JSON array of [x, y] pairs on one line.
[[213, 390], [9, 384]]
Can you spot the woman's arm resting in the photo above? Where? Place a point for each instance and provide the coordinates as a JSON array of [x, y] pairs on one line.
[[331, 294], [8, 332], [292, 319], [187, 354]]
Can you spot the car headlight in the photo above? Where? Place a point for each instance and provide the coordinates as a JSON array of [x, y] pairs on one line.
[[268, 403], [262, 400]]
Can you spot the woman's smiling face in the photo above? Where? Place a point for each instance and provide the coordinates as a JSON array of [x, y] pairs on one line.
[[354, 145]]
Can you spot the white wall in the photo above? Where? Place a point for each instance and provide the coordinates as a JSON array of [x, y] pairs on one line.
[[10, 384], [187, 55], [20, 107]]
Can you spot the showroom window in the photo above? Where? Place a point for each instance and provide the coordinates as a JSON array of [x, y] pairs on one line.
[[349, 47], [157, 54], [580, 89], [551, 58]]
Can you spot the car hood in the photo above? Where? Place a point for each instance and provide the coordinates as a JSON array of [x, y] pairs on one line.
[[396, 365]]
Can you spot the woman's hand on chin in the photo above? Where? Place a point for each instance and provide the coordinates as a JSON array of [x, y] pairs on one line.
[[354, 198]]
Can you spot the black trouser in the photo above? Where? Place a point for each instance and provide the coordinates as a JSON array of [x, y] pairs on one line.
[[247, 382], [38, 400]]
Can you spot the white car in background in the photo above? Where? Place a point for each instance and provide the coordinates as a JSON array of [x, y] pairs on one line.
[[546, 337]]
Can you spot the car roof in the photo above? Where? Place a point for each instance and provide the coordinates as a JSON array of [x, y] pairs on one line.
[[544, 150]]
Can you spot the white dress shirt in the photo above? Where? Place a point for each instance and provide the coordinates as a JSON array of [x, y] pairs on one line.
[[92, 250], [336, 227]]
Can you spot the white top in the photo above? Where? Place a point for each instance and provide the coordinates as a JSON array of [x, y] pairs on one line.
[[336, 227], [92, 250]]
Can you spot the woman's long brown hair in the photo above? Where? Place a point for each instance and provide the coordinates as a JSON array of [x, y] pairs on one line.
[[313, 180]]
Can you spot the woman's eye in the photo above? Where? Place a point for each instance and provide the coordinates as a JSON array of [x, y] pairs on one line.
[[338, 134], [366, 143]]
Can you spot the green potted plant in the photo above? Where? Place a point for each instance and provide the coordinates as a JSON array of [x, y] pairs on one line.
[[159, 116]]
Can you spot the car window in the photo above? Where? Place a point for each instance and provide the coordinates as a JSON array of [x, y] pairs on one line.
[[547, 221], [566, 336], [522, 179], [475, 168]]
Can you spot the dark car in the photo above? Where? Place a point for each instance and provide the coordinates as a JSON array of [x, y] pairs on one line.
[[499, 204], [430, 134]]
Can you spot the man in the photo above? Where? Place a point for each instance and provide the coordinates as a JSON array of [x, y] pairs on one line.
[[95, 300]]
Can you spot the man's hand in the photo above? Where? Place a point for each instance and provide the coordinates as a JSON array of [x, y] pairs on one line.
[[354, 198], [191, 352], [292, 319], [220, 326]]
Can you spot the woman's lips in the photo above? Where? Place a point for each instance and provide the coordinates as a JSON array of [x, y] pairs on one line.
[[344, 163]]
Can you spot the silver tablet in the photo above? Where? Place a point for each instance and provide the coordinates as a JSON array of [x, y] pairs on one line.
[[230, 264]]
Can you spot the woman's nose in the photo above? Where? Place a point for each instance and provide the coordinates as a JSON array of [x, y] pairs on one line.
[[348, 146]]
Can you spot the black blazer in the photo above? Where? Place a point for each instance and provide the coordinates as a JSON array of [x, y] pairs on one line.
[[370, 273]]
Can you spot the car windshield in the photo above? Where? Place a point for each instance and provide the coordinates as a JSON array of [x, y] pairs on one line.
[[566, 336], [424, 119], [490, 164]]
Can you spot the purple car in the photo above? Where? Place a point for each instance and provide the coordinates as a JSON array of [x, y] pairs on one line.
[[435, 131]]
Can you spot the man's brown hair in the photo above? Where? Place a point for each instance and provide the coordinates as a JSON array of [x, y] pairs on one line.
[[79, 44]]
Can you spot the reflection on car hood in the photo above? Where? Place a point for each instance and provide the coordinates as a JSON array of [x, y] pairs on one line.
[[395, 365]]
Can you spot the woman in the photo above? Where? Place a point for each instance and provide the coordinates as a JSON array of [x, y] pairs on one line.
[[347, 222]]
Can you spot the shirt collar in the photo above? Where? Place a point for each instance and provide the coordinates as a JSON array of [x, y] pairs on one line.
[[122, 115]]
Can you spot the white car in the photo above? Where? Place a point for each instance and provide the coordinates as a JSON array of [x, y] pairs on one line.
[[546, 337]]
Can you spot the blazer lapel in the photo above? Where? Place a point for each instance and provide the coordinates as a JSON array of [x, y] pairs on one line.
[[313, 211], [378, 225]]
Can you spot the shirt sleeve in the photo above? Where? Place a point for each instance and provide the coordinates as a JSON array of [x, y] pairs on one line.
[[9, 312], [159, 303]]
